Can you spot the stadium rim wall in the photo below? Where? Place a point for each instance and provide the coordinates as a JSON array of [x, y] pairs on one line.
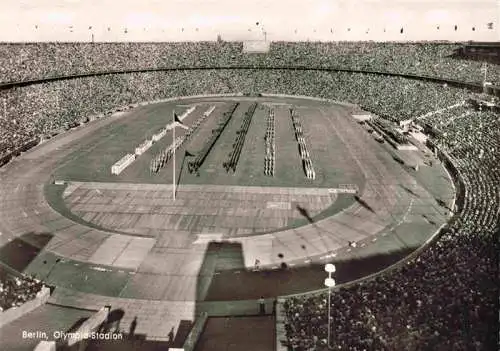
[[476, 87]]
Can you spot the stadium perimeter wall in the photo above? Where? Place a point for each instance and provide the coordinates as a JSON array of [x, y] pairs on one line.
[[45, 346], [454, 83], [195, 333]]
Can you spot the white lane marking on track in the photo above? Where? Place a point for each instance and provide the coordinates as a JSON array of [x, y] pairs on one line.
[[100, 269], [328, 256]]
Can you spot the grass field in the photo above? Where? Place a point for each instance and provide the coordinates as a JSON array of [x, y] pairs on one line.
[[92, 162]]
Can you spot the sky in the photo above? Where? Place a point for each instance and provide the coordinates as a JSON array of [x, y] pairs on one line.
[[237, 20]]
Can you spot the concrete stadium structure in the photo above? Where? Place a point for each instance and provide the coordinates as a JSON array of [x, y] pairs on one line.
[[165, 265]]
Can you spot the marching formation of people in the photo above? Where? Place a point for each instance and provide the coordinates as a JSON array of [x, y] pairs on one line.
[[269, 139], [303, 151], [194, 166], [161, 159], [234, 155], [390, 129]]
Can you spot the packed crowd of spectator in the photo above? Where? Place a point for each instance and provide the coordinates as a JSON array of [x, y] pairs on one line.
[[14, 290], [442, 300], [30, 61], [441, 119]]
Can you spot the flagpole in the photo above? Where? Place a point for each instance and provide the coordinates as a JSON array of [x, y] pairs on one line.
[[173, 174]]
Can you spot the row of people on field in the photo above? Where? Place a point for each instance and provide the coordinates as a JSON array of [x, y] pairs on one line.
[[270, 145], [301, 142], [234, 155]]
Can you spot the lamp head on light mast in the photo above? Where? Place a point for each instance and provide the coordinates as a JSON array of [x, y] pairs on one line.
[[330, 268], [329, 282]]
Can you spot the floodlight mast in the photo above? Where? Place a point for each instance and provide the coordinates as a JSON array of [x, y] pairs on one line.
[[330, 283]]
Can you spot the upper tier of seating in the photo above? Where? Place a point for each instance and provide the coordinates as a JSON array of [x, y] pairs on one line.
[[20, 62]]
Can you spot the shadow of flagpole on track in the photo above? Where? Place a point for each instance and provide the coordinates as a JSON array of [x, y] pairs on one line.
[[186, 154]]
